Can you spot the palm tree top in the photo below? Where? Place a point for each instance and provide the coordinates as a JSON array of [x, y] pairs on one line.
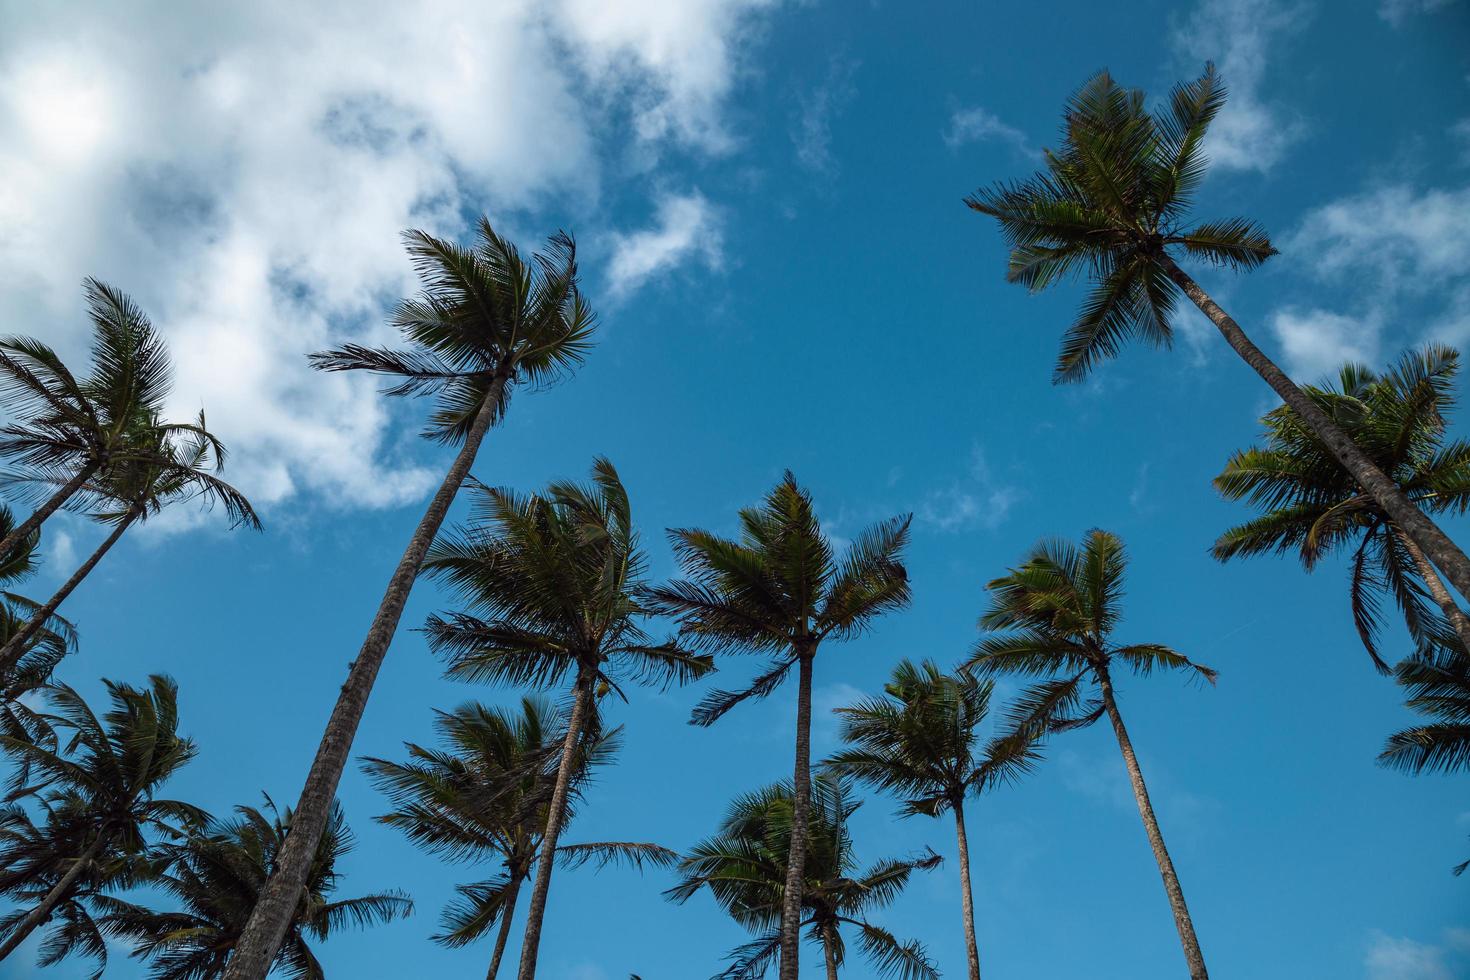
[[485, 312], [1111, 205]]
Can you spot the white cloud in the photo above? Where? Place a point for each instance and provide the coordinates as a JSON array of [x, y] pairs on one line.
[[1317, 342], [1460, 133], [244, 172], [813, 135], [1250, 133], [1393, 236], [1398, 11], [686, 226], [980, 502], [1397, 958], [976, 125]]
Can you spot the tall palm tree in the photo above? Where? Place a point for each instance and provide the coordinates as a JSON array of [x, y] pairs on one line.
[[744, 868], [65, 431], [487, 320], [920, 741], [552, 584], [102, 812], [215, 876], [781, 591], [1111, 204], [484, 797], [47, 646], [1054, 616], [1312, 506], [173, 467]]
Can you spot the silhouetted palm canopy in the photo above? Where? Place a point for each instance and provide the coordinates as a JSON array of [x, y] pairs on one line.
[[744, 869], [101, 815], [43, 652], [486, 312], [1309, 505], [215, 877], [1438, 684], [1111, 205]]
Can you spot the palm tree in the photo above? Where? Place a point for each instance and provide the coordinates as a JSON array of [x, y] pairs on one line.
[[102, 811], [215, 877], [919, 742], [780, 590], [484, 797], [1312, 506], [66, 431], [1111, 204], [552, 584], [172, 467], [1054, 616], [487, 320], [744, 868], [47, 646]]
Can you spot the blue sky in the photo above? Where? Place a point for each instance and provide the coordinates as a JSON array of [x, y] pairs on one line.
[[767, 196]]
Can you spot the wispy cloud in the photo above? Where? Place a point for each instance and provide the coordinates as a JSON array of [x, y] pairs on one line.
[[976, 124], [1396, 12], [980, 501], [1316, 342], [1400, 958], [685, 227], [813, 133]]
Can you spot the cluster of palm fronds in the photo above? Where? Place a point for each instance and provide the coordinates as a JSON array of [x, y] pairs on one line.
[[550, 594]]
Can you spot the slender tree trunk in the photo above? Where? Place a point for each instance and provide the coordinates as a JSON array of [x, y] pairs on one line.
[[800, 804], [52, 504], [531, 944], [1437, 591], [829, 951], [507, 913], [263, 933], [1192, 955], [967, 901], [1445, 554], [59, 891], [17, 645]]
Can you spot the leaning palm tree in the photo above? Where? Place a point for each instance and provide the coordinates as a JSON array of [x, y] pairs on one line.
[[1312, 506], [1054, 616], [65, 431], [781, 591], [484, 798], [488, 320], [744, 868], [920, 742], [103, 816], [1111, 205], [47, 646], [215, 876], [173, 467], [552, 583]]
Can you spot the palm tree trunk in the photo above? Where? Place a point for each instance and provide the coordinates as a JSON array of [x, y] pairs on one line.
[[1192, 955], [59, 891], [1445, 554], [829, 951], [52, 504], [530, 945], [507, 913], [1437, 591], [261, 938], [966, 900], [16, 646], [800, 803]]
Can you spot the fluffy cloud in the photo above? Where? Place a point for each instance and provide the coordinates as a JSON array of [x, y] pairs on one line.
[[686, 225], [245, 170], [1397, 958], [1317, 342]]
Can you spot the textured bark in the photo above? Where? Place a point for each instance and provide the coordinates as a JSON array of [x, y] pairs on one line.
[[507, 913], [1445, 554], [263, 934], [829, 951], [531, 944], [16, 646], [1437, 591], [800, 803], [58, 891], [47, 509], [967, 901], [1192, 955]]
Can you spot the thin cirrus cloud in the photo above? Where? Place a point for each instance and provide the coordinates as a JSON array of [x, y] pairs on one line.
[[686, 226], [245, 173], [976, 124]]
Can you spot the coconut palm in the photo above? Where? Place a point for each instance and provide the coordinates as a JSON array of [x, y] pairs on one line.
[[102, 815], [780, 590], [1054, 616], [1112, 205], [551, 583], [173, 467], [487, 320], [483, 797], [744, 868], [65, 431], [920, 742], [47, 646], [215, 877], [1311, 506]]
